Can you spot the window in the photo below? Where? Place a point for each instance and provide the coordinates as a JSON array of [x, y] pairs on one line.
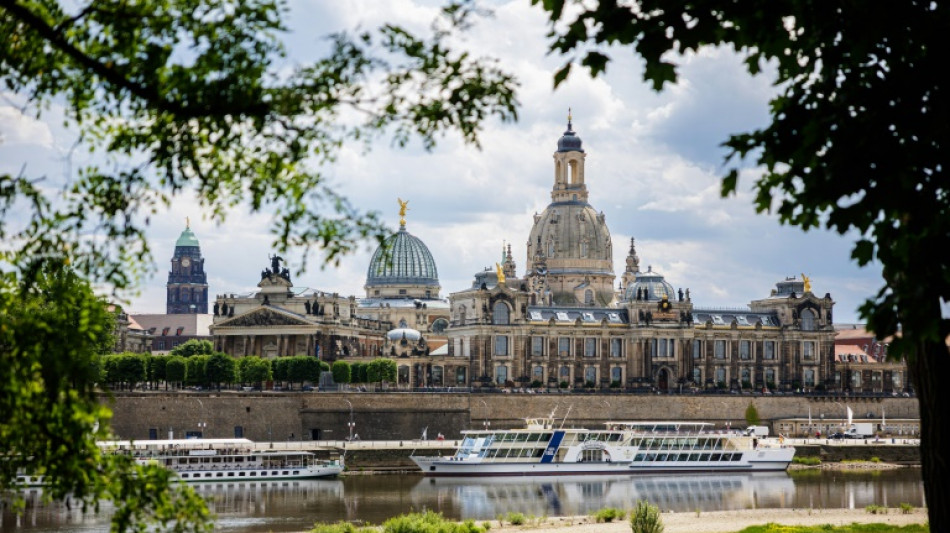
[[720, 349], [616, 375], [808, 320], [745, 350], [402, 292], [501, 374], [590, 375], [439, 325], [589, 297], [238, 432], [720, 376], [855, 380], [697, 375], [500, 314], [590, 347], [809, 377], [537, 373], [616, 347], [501, 345], [460, 376], [564, 346], [565, 373], [697, 349], [537, 346], [768, 350], [746, 376], [808, 350], [437, 376]]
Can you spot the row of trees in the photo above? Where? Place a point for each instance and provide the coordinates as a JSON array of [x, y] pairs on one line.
[[126, 371]]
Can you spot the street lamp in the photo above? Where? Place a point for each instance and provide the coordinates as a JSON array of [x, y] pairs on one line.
[[351, 424]]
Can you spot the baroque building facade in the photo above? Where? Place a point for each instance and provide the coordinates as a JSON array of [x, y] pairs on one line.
[[563, 325]]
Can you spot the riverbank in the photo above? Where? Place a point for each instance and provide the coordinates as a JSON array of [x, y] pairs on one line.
[[722, 521]]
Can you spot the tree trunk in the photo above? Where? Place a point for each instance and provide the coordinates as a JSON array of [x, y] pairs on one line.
[[930, 368]]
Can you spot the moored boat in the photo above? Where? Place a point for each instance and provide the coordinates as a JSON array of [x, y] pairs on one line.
[[541, 448], [201, 460]]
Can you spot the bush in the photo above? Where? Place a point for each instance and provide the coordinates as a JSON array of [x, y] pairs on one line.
[[875, 459], [608, 514], [811, 460], [876, 509], [907, 508], [562, 385], [516, 519], [340, 527], [428, 522], [645, 518]]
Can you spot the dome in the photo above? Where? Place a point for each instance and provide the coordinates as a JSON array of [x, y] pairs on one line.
[[573, 238], [399, 334], [403, 259], [187, 238], [569, 141], [652, 287]]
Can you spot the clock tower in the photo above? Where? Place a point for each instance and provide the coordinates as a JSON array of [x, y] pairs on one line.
[[187, 287]]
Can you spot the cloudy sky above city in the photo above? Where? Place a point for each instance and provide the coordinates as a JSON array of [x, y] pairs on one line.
[[653, 167]]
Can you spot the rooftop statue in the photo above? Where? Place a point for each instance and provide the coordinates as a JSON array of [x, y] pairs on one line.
[[807, 281], [403, 207]]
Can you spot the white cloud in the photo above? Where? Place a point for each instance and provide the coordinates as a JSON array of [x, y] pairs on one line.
[[653, 167], [17, 129]]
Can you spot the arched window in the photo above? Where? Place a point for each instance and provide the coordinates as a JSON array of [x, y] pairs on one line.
[[439, 325], [808, 320], [500, 314]]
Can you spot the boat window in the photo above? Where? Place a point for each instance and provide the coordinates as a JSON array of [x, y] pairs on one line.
[[715, 457], [684, 457], [704, 457], [296, 472], [230, 474], [639, 457], [661, 457], [185, 476], [241, 474]]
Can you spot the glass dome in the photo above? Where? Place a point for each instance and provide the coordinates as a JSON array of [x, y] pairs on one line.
[[402, 259], [651, 286]]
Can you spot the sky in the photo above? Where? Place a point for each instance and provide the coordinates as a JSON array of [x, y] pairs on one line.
[[653, 168]]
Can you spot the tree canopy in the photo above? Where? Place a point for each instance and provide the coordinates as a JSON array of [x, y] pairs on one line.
[[857, 143]]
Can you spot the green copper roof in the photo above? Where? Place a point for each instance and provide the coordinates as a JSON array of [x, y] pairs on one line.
[[187, 238]]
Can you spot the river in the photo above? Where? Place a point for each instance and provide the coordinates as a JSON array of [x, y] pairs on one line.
[[284, 506]]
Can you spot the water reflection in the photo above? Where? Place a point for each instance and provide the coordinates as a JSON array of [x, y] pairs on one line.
[[297, 505]]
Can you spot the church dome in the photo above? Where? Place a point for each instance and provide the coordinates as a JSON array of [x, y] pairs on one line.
[[569, 141], [572, 236], [399, 334], [402, 259], [652, 287]]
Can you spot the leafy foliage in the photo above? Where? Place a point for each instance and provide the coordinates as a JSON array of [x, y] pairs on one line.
[[381, 369], [52, 330], [428, 522], [254, 370], [341, 371], [645, 518], [193, 347], [752, 415], [857, 143]]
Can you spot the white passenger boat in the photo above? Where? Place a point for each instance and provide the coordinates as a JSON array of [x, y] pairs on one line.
[[541, 448], [202, 460]]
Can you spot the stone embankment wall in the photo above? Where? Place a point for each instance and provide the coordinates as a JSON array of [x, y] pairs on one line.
[[398, 416]]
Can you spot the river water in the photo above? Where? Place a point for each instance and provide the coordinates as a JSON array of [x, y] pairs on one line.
[[283, 506]]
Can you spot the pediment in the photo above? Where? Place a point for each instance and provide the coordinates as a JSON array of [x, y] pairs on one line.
[[265, 316]]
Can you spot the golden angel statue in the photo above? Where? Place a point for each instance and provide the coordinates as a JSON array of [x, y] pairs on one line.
[[501, 273], [403, 207], [807, 281]]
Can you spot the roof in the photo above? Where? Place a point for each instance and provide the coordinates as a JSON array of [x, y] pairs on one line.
[[403, 303], [570, 315], [402, 259], [194, 325], [725, 317], [187, 238]]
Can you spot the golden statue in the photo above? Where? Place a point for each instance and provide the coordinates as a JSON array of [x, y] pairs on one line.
[[501, 273], [807, 281], [403, 207], [187, 222]]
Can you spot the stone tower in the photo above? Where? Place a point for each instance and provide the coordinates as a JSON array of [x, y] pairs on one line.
[[569, 243], [187, 287]]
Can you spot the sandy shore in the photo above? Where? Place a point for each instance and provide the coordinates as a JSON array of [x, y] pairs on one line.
[[722, 521]]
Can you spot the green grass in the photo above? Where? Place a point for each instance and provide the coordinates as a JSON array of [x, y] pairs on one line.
[[826, 528], [907, 508], [810, 460]]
